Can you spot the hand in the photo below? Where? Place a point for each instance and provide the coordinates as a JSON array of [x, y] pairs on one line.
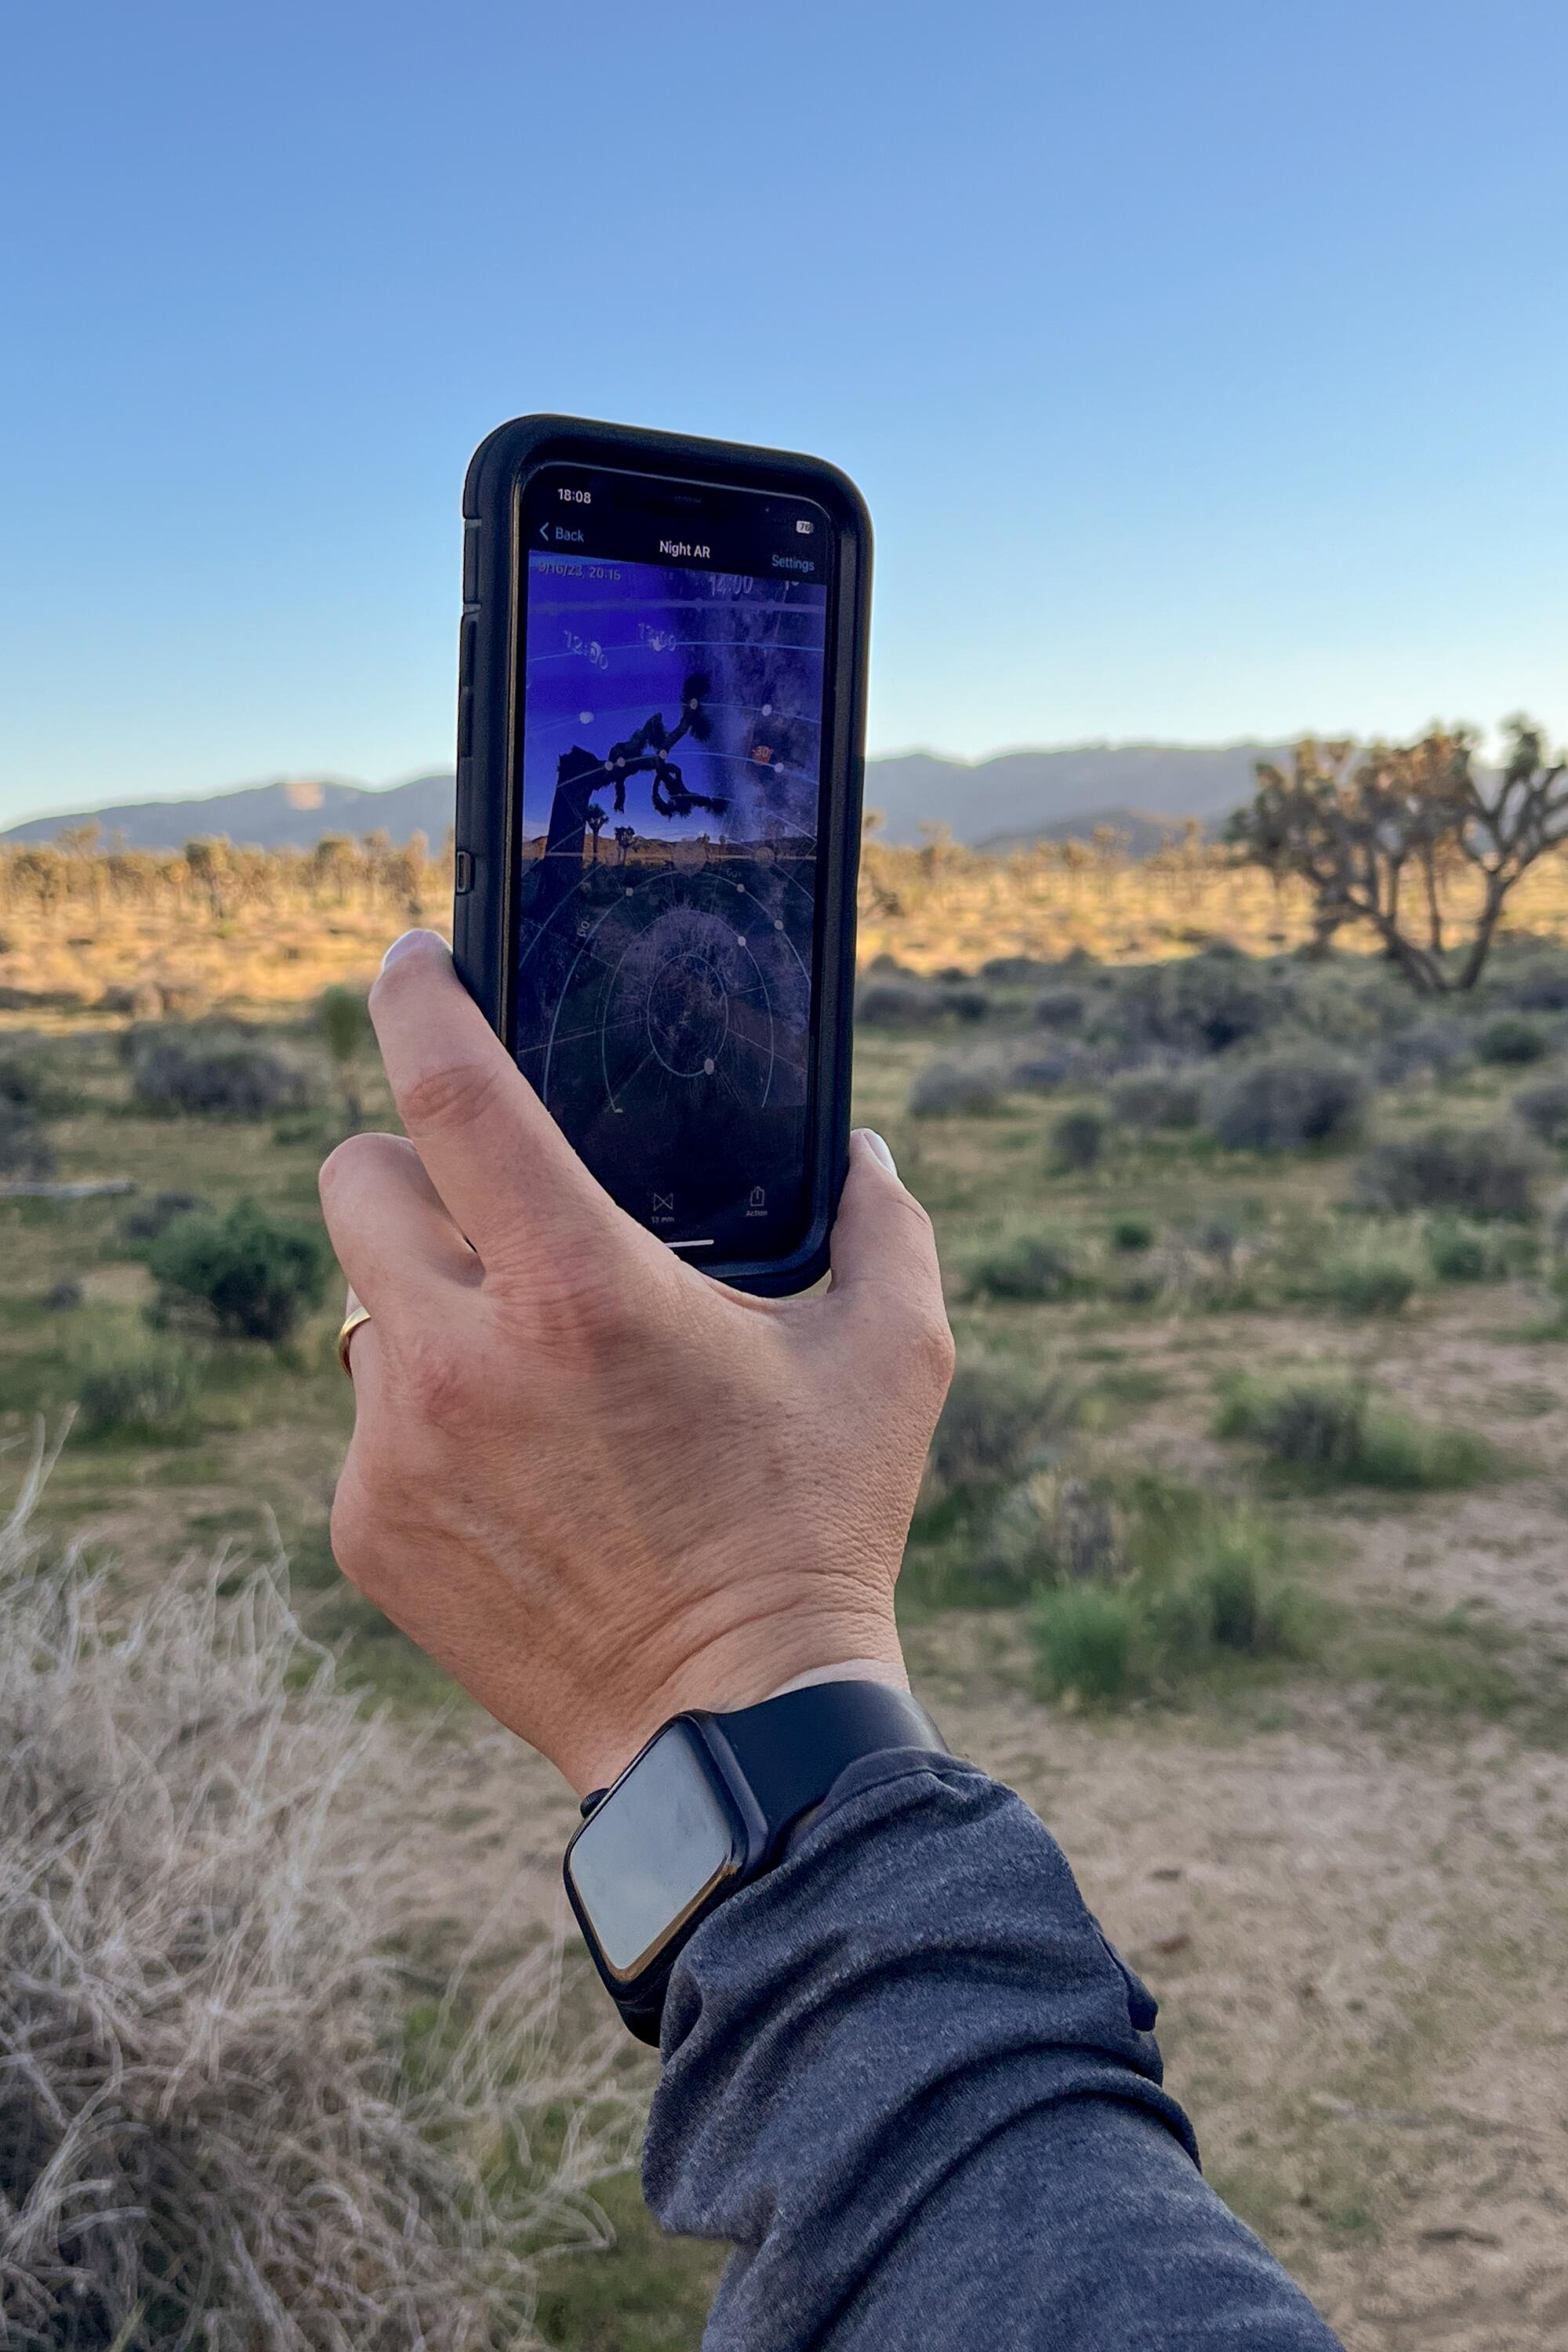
[[593, 1483]]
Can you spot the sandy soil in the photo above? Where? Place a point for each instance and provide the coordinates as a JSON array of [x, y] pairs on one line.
[[1357, 1924]]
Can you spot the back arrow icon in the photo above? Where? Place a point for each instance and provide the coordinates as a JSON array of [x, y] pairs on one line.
[[544, 532]]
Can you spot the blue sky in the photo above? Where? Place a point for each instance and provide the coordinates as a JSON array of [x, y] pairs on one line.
[[1205, 366]]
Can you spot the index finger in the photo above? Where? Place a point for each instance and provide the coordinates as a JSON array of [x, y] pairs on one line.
[[491, 1150]]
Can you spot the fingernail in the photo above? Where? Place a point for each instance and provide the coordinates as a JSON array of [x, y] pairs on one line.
[[409, 939], [874, 1143]]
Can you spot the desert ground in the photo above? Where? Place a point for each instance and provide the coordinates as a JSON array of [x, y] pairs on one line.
[[1241, 1554]]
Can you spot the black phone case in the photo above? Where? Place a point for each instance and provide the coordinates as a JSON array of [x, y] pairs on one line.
[[488, 807]]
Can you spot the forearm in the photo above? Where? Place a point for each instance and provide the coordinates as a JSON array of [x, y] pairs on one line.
[[906, 2078]]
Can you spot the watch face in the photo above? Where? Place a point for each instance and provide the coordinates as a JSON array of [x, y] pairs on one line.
[[662, 1840]]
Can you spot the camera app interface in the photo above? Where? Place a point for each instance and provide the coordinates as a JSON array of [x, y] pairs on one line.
[[674, 649]]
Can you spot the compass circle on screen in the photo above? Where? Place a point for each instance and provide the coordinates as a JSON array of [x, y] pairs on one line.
[[688, 1014], [675, 984]]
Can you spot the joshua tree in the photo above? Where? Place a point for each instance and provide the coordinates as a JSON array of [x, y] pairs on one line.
[[596, 819], [625, 836], [1359, 829]]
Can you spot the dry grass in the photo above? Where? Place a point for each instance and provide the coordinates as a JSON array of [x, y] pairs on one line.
[[226, 2121], [84, 928]]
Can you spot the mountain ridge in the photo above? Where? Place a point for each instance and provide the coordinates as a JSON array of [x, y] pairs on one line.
[[1004, 801]]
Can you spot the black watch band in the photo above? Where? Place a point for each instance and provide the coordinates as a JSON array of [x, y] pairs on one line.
[[707, 1808]]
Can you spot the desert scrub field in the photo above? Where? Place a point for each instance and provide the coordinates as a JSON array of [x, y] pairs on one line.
[[87, 928], [1241, 1552]]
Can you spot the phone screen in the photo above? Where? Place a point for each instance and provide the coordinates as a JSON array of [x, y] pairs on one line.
[[673, 674]]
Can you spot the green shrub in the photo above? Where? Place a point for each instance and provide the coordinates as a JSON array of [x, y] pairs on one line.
[[1131, 1233], [1033, 1266], [1511, 1040], [1370, 1284], [946, 1089], [1087, 1641], [28, 1085], [1284, 1101], [996, 1418], [1479, 1171], [258, 1275], [343, 1024], [1543, 1109], [175, 1070], [1460, 1251], [1228, 1595], [1077, 1140], [1325, 1429], [144, 1223], [142, 1386]]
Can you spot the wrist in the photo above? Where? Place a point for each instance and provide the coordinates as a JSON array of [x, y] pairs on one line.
[[740, 1672]]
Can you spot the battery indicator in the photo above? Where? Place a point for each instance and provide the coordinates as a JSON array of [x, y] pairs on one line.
[[801, 525]]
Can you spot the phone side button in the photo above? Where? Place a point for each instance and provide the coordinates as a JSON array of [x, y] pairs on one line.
[[465, 722], [463, 872], [471, 563]]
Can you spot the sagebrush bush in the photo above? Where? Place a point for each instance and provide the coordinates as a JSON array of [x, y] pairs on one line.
[[1538, 984], [1286, 1101], [216, 1076], [1078, 1140], [26, 1155], [1543, 1108], [1326, 1429], [140, 1385], [950, 1088], [259, 1276], [1511, 1040], [29, 1084], [1478, 1171], [1061, 1008], [1031, 1266], [886, 1003], [1151, 1099], [215, 2128], [963, 1000], [996, 1418], [1428, 1048], [1046, 1068], [1206, 1004], [1054, 1526]]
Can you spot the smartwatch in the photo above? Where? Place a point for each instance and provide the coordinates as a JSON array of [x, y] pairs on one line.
[[706, 1808]]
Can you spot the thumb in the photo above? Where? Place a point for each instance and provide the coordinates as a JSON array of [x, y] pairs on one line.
[[884, 1251]]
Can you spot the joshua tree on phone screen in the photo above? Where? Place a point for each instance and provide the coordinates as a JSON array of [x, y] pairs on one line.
[[580, 775]]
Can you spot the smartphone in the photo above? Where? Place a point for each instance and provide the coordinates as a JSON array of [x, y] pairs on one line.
[[661, 715]]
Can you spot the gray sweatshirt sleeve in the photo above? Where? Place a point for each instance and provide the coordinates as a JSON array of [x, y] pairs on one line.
[[909, 2080]]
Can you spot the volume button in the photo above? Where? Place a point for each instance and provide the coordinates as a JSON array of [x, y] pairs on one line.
[[471, 563]]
